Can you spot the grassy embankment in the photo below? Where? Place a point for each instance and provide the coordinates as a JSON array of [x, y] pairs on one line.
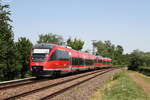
[[120, 87], [146, 79]]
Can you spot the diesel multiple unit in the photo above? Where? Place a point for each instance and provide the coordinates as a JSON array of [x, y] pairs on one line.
[[49, 59]]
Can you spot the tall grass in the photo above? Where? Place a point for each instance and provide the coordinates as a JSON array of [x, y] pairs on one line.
[[124, 89]]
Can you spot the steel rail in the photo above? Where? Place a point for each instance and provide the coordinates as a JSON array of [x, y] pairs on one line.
[[67, 88], [50, 86]]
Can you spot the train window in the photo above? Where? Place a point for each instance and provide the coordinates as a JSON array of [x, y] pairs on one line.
[[103, 62], [100, 61], [89, 62], [86, 62], [60, 55], [75, 61], [39, 55], [95, 60], [80, 61], [53, 56]]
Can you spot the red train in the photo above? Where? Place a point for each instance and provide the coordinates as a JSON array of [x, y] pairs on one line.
[[49, 59]]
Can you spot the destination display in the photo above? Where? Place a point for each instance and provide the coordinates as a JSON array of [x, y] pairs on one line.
[[41, 51]]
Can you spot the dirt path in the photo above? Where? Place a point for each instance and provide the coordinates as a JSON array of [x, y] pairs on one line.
[[137, 77]]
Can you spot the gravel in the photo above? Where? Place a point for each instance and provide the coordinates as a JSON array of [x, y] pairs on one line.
[[85, 90], [80, 92], [21, 89]]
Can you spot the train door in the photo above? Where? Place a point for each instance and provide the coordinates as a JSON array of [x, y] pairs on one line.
[[70, 62]]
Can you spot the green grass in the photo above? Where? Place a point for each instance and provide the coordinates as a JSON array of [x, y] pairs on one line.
[[146, 79], [124, 89], [119, 65]]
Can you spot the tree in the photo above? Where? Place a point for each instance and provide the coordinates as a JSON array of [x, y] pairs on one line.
[[118, 55], [50, 38], [136, 59], [105, 49], [8, 68], [75, 44], [119, 49], [23, 48], [101, 48], [147, 59]]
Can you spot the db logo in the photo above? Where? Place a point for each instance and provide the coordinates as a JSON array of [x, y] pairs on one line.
[[37, 64]]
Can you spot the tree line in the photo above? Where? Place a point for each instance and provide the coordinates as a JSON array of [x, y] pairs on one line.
[[14, 56], [137, 60]]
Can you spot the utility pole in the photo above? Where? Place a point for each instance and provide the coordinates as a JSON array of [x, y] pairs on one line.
[[93, 42]]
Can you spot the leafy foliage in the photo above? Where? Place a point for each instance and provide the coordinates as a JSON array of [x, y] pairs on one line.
[[7, 47], [50, 38], [24, 47], [75, 44], [13, 56], [107, 49], [138, 59]]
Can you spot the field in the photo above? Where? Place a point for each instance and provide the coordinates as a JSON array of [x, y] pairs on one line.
[[122, 86]]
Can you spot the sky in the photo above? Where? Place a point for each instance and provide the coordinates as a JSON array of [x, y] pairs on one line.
[[123, 22]]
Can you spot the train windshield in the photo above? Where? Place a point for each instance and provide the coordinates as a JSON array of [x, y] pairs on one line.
[[39, 55]]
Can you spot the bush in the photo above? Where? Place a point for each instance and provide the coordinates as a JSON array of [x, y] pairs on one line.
[[144, 69]]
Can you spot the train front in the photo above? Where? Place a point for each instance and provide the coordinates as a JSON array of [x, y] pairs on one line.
[[38, 60]]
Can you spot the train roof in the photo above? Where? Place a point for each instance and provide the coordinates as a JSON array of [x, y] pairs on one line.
[[49, 46], [43, 46]]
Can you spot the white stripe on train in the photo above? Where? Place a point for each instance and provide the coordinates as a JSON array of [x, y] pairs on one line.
[[71, 68]]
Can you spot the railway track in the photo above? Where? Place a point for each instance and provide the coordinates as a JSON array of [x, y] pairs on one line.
[[14, 84], [69, 83], [69, 87], [20, 82]]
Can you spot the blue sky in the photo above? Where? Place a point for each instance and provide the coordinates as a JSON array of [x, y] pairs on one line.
[[123, 22]]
